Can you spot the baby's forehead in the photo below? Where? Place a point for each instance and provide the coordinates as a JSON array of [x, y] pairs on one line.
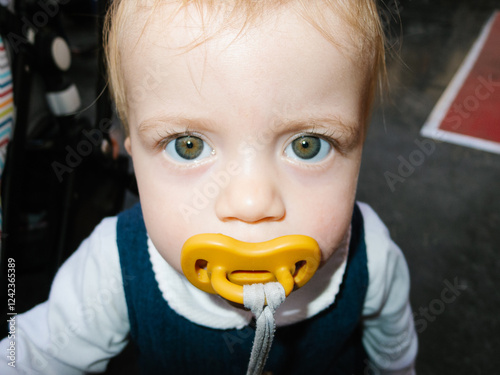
[[140, 33], [283, 43], [169, 25]]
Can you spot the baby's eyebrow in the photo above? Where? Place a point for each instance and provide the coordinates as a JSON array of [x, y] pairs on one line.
[[156, 123]]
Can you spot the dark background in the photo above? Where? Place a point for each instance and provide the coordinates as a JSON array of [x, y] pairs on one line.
[[446, 215]]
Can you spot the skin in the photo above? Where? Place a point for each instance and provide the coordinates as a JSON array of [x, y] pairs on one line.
[[247, 96]]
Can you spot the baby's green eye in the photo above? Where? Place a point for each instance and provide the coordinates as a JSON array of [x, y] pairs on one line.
[[188, 148], [308, 148]]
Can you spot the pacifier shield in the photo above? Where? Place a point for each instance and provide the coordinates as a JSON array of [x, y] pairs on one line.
[[220, 264]]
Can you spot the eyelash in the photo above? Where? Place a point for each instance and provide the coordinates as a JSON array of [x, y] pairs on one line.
[[328, 136], [168, 136]]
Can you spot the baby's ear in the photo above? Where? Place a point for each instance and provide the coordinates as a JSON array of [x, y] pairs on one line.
[[128, 145]]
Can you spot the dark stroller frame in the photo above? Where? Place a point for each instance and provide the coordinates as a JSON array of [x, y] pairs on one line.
[[24, 63]]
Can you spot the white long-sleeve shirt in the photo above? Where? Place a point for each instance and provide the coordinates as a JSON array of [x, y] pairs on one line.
[[85, 323]]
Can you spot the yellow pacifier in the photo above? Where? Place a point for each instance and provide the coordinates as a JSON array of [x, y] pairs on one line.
[[219, 264]]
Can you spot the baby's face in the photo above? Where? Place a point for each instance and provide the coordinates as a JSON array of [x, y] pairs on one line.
[[254, 136]]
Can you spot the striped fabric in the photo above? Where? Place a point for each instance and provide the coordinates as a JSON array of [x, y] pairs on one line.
[[6, 109]]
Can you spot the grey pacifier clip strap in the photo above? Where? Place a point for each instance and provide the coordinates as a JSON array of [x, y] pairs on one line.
[[254, 298]]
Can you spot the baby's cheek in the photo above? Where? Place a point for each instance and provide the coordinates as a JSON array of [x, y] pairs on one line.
[[170, 249], [333, 243], [165, 232], [330, 228]]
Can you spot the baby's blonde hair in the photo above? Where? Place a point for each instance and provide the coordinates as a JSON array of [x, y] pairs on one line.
[[361, 16]]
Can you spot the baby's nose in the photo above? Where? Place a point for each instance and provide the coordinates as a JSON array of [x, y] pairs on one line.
[[251, 198]]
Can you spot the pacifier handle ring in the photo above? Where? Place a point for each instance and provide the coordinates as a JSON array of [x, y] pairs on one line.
[[285, 278], [234, 292], [224, 287]]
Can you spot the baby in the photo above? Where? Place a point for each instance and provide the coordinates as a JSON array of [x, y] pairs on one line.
[[245, 118]]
